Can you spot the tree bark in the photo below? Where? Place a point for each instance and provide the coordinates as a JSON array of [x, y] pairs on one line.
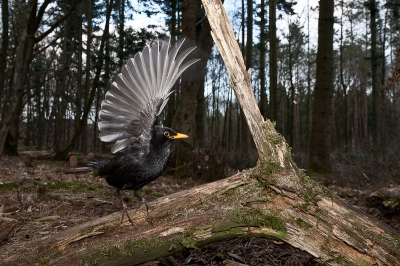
[[323, 92], [273, 61], [374, 76], [3, 56], [263, 36], [16, 87], [185, 116], [244, 128], [278, 203]]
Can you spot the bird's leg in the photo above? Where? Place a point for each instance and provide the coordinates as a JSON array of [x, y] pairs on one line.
[[143, 200], [124, 207]]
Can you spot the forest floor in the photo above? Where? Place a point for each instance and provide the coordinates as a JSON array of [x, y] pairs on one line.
[[45, 200]]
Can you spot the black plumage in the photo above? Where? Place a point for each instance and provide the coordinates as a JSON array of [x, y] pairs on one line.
[[129, 115]]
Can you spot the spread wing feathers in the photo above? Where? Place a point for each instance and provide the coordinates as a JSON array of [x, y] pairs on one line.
[[139, 94]]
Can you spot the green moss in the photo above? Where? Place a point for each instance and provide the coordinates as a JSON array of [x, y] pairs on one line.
[[256, 217], [359, 242], [275, 138], [72, 186], [270, 168], [110, 252], [315, 168], [8, 186], [303, 224], [223, 225], [187, 241], [129, 247], [158, 194], [158, 242], [91, 261], [45, 258], [219, 256], [84, 187], [248, 192], [310, 191], [340, 259]]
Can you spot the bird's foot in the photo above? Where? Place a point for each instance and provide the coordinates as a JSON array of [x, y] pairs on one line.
[[143, 200], [145, 203], [125, 211]]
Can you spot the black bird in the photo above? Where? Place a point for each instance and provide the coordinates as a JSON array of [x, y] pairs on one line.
[[129, 118]]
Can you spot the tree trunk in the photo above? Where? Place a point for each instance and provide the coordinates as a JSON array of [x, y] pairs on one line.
[[271, 202], [173, 25], [205, 44], [308, 100], [375, 123], [79, 88], [3, 56], [244, 128], [273, 62], [323, 92], [185, 117], [88, 86], [121, 29], [12, 111], [263, 90]]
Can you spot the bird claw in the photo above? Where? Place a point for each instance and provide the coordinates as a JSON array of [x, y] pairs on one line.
[[145, 203], [125, 210]]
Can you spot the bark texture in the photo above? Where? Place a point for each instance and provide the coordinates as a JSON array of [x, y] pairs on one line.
[[323, 93]]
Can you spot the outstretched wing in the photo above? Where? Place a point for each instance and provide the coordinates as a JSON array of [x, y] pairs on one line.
[[139, 94]]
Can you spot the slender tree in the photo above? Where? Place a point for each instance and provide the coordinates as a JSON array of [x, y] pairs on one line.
[[273, 61], [263, 43], [3, 55], [375, 121], [244, 129], [185, 117], [323, 91]]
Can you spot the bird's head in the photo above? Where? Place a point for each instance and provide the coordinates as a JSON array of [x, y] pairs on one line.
[[166, 134]]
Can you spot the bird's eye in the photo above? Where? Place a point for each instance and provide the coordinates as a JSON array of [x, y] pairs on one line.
[[166, 133]]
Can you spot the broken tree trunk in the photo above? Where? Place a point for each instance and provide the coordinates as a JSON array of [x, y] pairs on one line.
[[273, 200]]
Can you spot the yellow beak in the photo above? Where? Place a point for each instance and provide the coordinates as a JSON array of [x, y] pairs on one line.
[[179, 136]]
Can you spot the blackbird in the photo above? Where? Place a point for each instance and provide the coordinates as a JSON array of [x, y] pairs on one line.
[[129, 118]]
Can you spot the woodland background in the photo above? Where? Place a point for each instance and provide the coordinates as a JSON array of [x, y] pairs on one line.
[[58, 59]]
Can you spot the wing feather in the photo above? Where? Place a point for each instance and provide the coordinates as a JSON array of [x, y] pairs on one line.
[[139, 94]]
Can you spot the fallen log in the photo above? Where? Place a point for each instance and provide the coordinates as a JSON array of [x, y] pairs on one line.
[[254, 203]]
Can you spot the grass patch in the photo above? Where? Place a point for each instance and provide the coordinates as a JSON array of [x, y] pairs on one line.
[[72, 186], [8, 186]]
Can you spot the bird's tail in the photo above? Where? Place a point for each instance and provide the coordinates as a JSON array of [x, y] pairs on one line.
[[84, 167]]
